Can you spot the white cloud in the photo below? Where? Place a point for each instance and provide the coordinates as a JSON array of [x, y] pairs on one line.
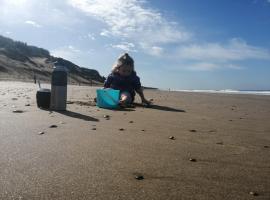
[[48, 13], [73, 49], [35, 24], [105, 33], [215, 56], [204, 66], [235, 50], [68, 52], [125, 46], [157, 50], [129, 19], [210, 66], [152, 50], [91, 36]]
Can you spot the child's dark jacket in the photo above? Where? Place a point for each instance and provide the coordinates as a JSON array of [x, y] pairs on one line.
[[123, 83]]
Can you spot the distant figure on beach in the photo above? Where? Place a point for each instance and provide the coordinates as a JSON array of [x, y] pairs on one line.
[[35, 78], [124, 78]]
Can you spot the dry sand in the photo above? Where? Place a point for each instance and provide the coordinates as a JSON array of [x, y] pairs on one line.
[[87, 157]]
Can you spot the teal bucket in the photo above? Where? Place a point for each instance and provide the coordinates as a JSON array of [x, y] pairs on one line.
[[108, 98]]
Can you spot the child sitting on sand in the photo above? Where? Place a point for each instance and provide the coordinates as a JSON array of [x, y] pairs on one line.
[[124, 78]]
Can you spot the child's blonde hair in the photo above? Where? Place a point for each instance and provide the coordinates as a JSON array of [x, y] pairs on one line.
[[123, 60]]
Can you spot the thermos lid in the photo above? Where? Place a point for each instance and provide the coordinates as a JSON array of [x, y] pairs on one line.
[[58, 66]]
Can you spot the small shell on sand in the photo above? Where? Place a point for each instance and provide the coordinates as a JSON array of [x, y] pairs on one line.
[[41, 132], [192, 160]]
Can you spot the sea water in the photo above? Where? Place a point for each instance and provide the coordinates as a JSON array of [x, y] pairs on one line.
[[229, 91]]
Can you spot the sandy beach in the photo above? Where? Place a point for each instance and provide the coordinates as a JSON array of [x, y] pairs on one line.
[[187, 146]]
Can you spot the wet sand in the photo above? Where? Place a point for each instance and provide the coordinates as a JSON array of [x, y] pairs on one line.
[[187, 146]]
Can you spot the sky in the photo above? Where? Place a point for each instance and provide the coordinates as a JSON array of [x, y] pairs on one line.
[[176, 44]]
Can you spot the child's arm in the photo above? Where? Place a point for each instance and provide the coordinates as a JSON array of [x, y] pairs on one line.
[[108, 82], [144, 100]]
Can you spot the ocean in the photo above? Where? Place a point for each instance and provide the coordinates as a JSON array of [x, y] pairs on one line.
[[229, 91]]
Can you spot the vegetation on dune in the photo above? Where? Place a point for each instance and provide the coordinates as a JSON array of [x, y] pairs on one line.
[[18, 58]]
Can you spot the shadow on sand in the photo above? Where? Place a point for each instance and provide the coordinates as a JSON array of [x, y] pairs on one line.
[[77, 115], [158, 107]]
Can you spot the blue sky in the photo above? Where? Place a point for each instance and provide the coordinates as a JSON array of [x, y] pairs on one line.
[[178, 44]]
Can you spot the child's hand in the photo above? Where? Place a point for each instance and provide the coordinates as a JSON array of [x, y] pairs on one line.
[[146, 102]]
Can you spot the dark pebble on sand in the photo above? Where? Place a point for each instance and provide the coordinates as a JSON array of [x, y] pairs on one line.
[[53, 126], [254, 193], [121, 129], [142, 130], [94, 129], [131, 122], [107, 117], [17, 111], [266, 146], [172, 137], [41, 132], [220, 143], [192, 160], [27, 104], [193, 130], [139, 177]]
